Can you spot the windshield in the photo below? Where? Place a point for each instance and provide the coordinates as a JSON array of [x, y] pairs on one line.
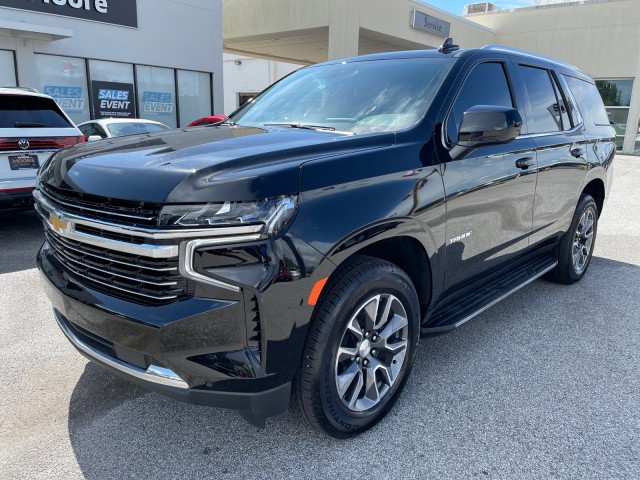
[[133, 128], [358, 97]]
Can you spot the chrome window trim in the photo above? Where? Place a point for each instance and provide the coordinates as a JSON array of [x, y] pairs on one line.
[[154, 234], [153, 374], [187, 250]]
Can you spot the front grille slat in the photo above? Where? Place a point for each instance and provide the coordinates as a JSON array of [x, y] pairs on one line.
[[108, 272], [102, 208], [129, 279], [90, 252]]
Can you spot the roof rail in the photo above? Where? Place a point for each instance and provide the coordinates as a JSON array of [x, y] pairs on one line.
[[25, 89], [502, 48]]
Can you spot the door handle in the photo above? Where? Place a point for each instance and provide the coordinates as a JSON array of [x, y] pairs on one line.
[[577, 152], [525, 163]]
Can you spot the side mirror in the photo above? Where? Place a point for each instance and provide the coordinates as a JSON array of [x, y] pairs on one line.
[[94, 138], [489, 125]]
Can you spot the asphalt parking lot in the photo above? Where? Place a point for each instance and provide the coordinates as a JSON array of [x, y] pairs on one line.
[[544, 385]]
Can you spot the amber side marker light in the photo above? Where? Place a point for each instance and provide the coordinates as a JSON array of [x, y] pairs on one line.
[[316, 291]]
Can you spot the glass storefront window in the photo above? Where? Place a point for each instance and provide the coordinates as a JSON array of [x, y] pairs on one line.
[[64, 79], [112, 89], [616, 95], [157, 94], [194, 89], [636, 150], [7, 69]]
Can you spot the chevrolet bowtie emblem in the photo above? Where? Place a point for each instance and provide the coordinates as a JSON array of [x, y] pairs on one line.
[[57, 223]]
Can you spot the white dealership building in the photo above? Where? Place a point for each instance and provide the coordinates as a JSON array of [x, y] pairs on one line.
[[157, 59]]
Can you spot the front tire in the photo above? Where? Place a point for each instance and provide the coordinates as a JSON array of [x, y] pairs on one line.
[[360, 348], [576, 247]]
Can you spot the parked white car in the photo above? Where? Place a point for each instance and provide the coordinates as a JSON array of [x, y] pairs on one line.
[[32, 127], [119, 127]]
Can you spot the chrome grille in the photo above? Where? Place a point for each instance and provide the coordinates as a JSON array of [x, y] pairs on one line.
[[125, 258], [119, 274]]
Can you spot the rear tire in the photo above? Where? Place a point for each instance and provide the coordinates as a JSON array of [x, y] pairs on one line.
[[360, 349], [576, 246]]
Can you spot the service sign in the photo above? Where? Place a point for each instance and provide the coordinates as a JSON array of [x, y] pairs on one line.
[[157, 102], [113, 100], [428, 23], [69, 99], [117, 12]]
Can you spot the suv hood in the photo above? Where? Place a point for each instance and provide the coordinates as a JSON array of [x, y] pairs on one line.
[[203, 164]]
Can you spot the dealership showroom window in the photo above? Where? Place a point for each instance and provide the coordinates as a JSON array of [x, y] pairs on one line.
[[114, 58]]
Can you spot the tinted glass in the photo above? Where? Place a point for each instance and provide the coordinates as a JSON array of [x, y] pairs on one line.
[[615, 93], [358, 97], [486, 85], [92, 129], [122, 129], [30, 112], [589, 101], [543, 115], [566, 122], [194, 89], [157, 94], [64, 79]]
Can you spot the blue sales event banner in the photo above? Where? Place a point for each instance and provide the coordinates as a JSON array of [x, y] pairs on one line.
[[70, 99], [113, 100]]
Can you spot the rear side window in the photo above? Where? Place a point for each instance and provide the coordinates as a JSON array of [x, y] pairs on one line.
[[486, 85], [22, 111], [544, 113], [589, 100], [92, 129]]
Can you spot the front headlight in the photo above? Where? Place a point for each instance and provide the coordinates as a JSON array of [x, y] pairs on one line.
[[274, 213]]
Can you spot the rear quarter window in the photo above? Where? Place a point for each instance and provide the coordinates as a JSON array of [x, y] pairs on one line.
[[22, 111], [589, 100]]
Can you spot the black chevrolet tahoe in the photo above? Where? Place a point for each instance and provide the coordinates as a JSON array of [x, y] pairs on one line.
[[307, 242]]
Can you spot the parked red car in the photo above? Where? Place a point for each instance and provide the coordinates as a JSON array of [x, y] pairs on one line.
[[211, 119]]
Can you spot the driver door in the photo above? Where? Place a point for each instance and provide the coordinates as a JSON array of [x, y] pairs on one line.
[[489, 189]]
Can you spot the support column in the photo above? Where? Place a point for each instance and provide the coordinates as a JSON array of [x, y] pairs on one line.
[[634, 114], [344, 28], [25, 62]]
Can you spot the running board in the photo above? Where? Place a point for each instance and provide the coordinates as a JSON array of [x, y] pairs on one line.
[[456, 313]]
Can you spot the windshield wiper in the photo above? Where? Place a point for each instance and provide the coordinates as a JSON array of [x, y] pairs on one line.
[[299, 125], [30, 125]]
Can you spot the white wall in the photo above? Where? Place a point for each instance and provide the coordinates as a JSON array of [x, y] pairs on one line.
[[251, 75]]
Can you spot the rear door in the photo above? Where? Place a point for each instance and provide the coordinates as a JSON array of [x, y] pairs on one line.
[[31, 129], [489, 197], [555, 129]]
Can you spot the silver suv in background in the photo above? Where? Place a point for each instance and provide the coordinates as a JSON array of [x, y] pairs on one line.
[[32, 127]]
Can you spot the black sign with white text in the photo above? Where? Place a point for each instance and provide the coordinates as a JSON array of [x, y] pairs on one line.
[[113, 100], [118, 12]]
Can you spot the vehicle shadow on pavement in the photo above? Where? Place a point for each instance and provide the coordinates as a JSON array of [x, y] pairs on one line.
[[543, 375], [21, 236]]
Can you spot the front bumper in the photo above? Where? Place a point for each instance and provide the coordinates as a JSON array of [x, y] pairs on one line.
[[161, 347]]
